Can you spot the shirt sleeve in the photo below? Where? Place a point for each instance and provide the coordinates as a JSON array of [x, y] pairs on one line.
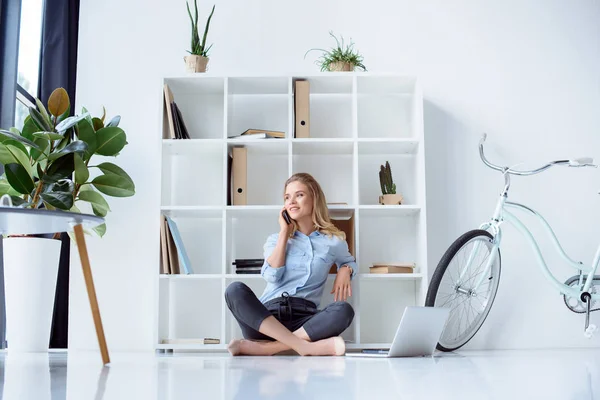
[[343, 257], [269, 273]]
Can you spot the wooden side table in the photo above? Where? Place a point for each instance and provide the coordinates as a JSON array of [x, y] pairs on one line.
[[25, 221]]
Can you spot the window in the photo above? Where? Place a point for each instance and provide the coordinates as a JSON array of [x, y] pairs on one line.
[[30, 38]]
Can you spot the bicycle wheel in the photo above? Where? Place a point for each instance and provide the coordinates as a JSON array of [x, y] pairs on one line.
[[468, 310]]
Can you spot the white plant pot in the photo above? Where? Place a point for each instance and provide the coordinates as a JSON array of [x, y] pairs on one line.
[[30, 270]]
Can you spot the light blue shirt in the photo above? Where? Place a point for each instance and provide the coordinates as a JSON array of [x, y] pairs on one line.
[[307, 263]]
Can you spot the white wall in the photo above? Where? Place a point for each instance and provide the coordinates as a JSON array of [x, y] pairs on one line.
[[526, 72]]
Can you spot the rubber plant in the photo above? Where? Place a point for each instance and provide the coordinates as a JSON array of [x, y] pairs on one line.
[[47, 163], [386, 181]]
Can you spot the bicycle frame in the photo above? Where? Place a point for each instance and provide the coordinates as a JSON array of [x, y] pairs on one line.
[[501, 215]]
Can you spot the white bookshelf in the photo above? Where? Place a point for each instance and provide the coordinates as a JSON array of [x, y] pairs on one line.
[[358, 121]]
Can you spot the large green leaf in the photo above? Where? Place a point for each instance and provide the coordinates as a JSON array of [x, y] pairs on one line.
[[110, 168], [70, 122], [114, 185], [48, 135], [82, 172], [99, 204], [5, 188], [29, 128], [39, 120], [16, 144], [21, 157], [18, 178], [64, 115], [60, 169], [85, 132], [61, 200], [44, 146], [21, 139], [109, 141], [10, 154], [43, 112], [74, 147]]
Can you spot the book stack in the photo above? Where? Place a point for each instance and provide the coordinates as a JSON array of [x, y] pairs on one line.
[[392, 268], [248, 265], [174, 258], [259, 134], [177, 128]]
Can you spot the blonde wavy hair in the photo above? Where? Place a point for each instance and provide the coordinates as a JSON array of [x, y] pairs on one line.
[[320, 212]]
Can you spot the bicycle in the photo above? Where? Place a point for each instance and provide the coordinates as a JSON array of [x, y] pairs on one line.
[[466, 278]]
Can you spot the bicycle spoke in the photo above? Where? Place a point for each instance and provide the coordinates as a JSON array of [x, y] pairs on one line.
[[467, 311]]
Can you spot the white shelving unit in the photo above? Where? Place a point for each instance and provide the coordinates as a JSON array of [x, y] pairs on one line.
[[358, 121]]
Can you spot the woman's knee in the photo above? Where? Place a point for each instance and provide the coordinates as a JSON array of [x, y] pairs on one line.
[[235, 289], [345, 312]]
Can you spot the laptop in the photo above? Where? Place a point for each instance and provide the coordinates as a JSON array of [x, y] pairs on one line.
[[417, 335]]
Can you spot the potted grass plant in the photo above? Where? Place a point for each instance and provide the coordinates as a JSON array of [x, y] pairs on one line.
[[198, 59], [48, 165], [340, 58], [388, 187]]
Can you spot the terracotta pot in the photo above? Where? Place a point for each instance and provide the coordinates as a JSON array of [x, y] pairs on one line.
[[390, 199], [195, 63], [341, 66]]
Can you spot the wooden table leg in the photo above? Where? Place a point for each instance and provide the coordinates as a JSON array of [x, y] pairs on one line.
[[89, 283]]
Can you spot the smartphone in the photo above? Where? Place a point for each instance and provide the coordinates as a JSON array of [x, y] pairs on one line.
[[286, 216]]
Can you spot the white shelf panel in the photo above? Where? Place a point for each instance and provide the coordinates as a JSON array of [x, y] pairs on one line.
[[387, 146], [186, 277], [380, 210], [252, 211], [192, 211], [258, 85], [311, 146], [385, 84], [244, 276], [402, 277], [340, 84], [192, 146], [272, 146], [193, 85]]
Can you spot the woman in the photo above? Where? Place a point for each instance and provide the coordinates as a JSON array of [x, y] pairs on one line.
[[297, 262]]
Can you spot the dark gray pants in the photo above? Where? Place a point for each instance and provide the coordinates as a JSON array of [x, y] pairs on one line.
[[292, 312]]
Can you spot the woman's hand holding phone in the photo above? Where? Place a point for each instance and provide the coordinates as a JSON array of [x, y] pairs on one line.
[[285, 226]]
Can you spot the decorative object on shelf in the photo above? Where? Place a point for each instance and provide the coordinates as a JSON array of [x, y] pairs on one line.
[[197, 61], [388, 187], [392, 268], [46, 163], [340, 58]]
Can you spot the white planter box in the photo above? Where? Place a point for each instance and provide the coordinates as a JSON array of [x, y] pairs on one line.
[[30, 271]]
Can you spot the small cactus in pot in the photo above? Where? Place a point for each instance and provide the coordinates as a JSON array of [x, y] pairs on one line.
[[388, 187]]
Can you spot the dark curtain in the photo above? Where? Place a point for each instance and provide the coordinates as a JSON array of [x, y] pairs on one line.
[[58, 68]]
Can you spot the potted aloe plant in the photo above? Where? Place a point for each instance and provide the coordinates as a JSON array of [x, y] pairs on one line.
[[48, 164], [339, 58], [388, 187], [197, 61]]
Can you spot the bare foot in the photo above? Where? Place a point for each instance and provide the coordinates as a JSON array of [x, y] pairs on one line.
[[234, 347], [254, 348], [333, 346]]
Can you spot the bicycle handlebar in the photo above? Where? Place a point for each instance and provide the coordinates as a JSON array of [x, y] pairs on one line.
[[578, 162]]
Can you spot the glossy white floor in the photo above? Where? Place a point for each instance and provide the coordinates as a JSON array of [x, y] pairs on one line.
[[539, 374]]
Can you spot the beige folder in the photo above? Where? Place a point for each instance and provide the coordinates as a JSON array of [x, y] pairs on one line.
[[302, 108], [239, 176]]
